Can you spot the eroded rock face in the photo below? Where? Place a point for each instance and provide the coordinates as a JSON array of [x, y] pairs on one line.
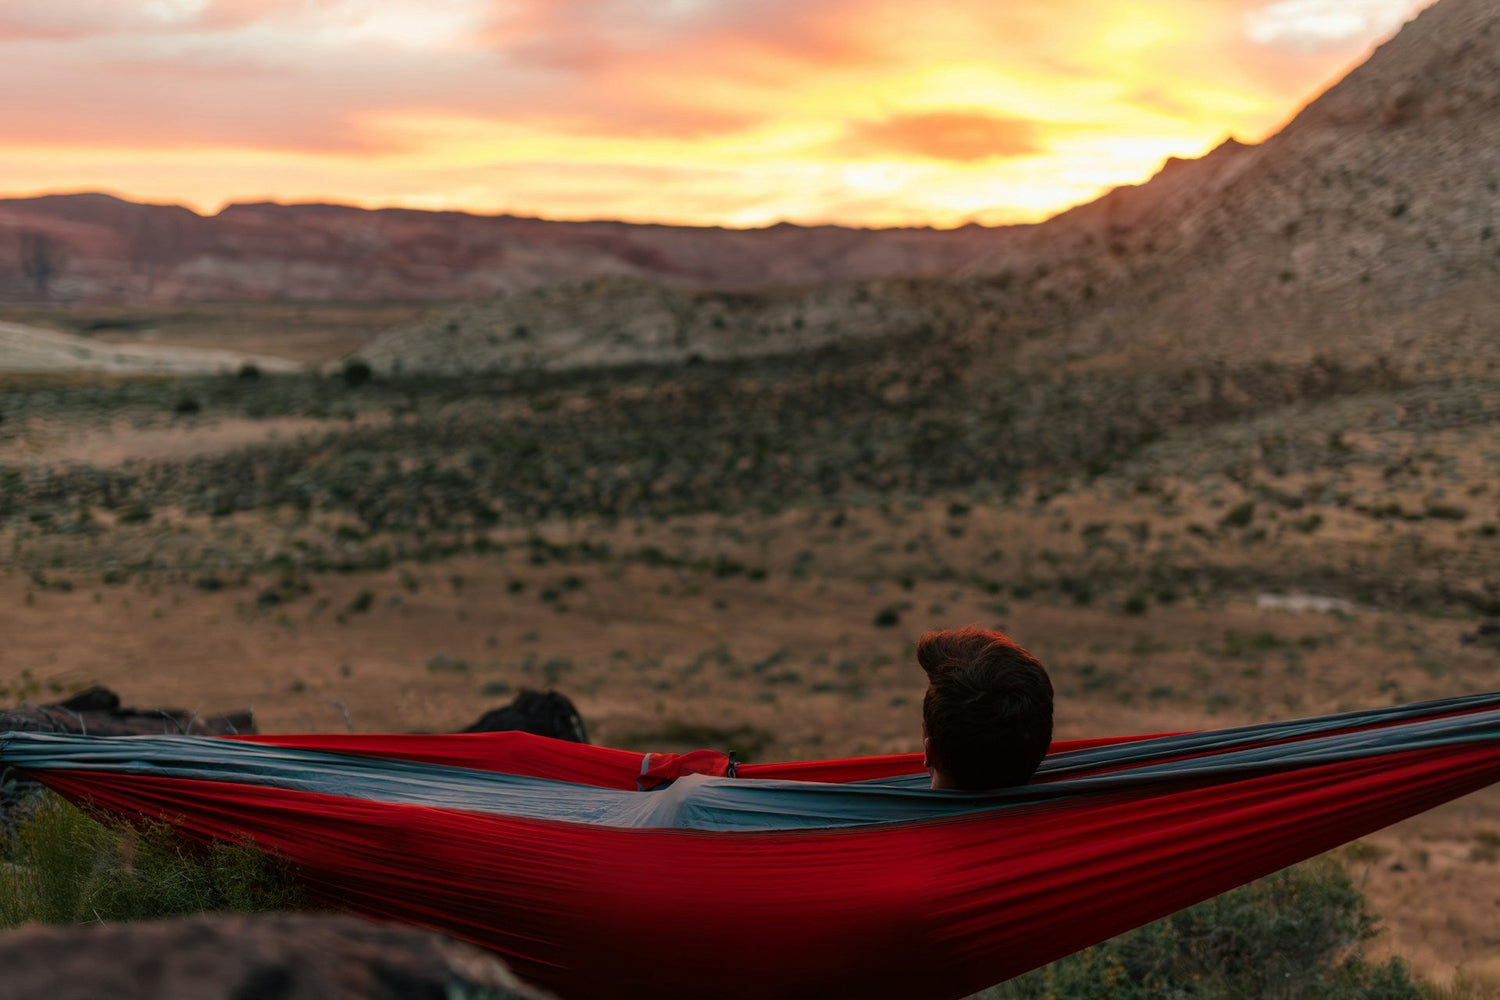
[[244, 957]]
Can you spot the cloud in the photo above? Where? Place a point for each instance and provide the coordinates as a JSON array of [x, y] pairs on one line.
[[1311, 24], [960, 136], [26, 20], [710, 110]]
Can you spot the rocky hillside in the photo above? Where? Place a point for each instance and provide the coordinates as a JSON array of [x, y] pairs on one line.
[[621, 321], [1366, 231], [1370, 225], [96, 248]]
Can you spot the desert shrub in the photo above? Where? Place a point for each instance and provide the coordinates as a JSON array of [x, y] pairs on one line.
[[357, 372], [62, 866], [1239, 515], [1446, 512], [442, 663], [1249, 644], [1309, 524], [134, 514], [1295, 934]]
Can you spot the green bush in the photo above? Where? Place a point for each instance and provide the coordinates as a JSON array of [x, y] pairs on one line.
[[61, 866], [357, 372], [1295, 934]]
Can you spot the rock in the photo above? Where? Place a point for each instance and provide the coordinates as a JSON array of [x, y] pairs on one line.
[[545, 713], [279, 956], [97, 712]]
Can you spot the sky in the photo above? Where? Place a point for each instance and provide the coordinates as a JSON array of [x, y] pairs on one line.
[[703, 112]]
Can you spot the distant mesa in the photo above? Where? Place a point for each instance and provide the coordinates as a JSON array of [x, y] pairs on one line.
[[99, 249]]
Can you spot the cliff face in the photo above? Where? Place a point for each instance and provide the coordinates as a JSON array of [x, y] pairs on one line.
[[102, 249]]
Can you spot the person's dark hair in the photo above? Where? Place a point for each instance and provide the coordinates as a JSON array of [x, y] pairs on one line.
[[988, 708]]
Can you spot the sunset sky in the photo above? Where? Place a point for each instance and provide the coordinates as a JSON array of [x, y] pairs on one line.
[[721, 112]]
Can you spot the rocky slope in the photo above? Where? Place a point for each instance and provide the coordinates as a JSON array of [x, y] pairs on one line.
[[621, 321], [1370, 225], [1366, 231]]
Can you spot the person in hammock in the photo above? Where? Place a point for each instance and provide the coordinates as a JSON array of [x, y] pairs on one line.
[[987, 714]]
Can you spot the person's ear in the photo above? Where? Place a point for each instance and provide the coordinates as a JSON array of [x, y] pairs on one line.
[[927, 752]]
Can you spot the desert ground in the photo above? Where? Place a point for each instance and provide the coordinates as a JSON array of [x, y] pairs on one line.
[[743, 555]]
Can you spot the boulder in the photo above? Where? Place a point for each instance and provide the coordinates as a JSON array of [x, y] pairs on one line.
[[273, 956], [98, 712], [545, 713]]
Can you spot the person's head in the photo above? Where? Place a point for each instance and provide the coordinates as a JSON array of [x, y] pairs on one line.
[[987, 715]]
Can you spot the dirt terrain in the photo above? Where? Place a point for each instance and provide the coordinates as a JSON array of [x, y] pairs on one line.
[[1169, 591]]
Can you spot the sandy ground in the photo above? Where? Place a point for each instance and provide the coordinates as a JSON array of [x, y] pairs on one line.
[[51, 443]]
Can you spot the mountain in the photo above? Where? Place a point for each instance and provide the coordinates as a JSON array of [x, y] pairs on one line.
[[1367, 232], [98, 248], [1368, 229], [1368, 226]]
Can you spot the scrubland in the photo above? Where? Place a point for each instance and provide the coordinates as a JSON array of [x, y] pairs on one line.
[[742, 554]]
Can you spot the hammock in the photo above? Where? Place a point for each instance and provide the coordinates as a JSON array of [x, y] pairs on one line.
[[606, 873]]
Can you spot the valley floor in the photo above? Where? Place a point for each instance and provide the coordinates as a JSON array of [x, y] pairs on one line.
[[342, 557]]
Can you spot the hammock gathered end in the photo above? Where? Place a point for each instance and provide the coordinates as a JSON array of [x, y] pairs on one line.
[[606, 873]]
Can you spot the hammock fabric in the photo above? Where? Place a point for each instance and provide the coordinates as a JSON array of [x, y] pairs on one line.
[[604, 873]]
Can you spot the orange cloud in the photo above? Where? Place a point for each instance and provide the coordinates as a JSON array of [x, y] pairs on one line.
[[707, 111], [962, 136]]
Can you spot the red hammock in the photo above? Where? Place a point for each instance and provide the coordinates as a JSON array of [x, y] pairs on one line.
[[958, 892]]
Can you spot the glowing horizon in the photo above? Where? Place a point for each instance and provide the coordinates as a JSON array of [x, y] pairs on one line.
[[698, 112]]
